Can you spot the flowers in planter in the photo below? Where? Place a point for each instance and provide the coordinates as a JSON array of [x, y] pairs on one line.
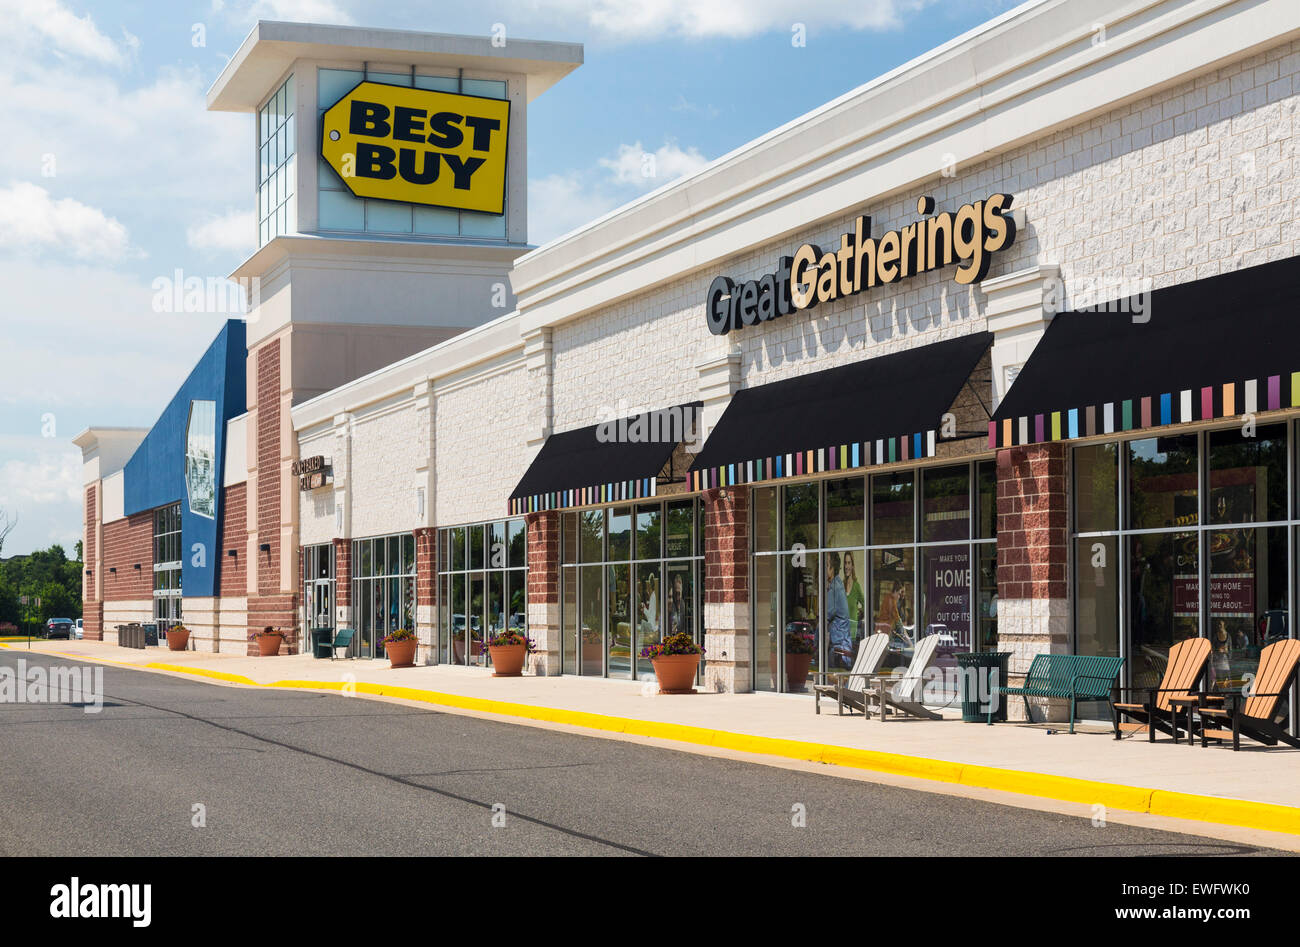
[[267, 632], [508, 637], [800, 642], [680, 643], [401, 634]]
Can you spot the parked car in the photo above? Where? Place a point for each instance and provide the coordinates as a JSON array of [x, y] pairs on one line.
[[79, 631], [59, 628]]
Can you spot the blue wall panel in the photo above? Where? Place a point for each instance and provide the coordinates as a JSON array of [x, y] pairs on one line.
[[155, 474]]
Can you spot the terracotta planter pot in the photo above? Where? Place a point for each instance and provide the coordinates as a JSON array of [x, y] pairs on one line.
[[796, 670], [401, 653], [178, 639], [508, 660], [676, 672], [268, 645]]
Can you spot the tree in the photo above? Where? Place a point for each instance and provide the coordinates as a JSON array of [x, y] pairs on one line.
[[57, 602], [7, 524]]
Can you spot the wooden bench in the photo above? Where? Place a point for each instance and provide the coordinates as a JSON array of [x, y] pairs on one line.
[[1078, 677]]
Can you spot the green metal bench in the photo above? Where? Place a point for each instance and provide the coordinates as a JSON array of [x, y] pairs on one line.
[[1078, 677], [340, 643]]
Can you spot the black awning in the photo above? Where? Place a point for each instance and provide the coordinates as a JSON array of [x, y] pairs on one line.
[[614, 460], [1212, 348], [870, 412]]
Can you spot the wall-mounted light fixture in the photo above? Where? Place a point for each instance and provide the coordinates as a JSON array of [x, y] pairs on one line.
[[113, 570], [136, 567], [232, 553], [265, 547]]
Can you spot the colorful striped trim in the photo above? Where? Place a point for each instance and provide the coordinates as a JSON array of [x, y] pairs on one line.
[[1208, 403], [584, 496], [820, 460]]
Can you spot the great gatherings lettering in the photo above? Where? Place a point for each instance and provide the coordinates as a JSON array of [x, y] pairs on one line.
[[968, 237]]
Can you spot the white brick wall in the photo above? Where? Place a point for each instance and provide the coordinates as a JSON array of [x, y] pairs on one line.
[[1197, 180], [386, 449], [481, 444]]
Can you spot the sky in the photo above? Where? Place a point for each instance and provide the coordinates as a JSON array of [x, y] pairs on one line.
[[113, 175]]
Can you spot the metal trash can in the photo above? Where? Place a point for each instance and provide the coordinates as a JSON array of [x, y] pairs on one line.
[[978, 668], [150, 633]]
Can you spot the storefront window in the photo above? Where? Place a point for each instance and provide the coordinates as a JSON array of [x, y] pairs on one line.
[[383, 590], [845, 512], [892, 509], [826, 600], [801, 516], [1096, 487], [167, 566], [635, 583], [487, 588], [1247, 475], [1162, 482], [1138, 589], [764, 589], [318, 594], [764, 501], [946, 506], [986, 489]]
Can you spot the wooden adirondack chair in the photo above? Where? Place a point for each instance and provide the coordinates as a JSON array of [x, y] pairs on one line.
[[904, 693], [1184, 670], [847, 687], [1254, 715]]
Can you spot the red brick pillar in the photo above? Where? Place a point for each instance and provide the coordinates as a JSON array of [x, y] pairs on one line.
[[1033, 558], [92, 606], [726, 591], [544, 591], [343, 583], [426, 592], [273, 583]]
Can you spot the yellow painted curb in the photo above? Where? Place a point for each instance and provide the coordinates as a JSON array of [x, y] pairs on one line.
[[1237, 812], [201, 672]]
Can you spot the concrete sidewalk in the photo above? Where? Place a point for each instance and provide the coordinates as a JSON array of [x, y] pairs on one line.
[[1247, 789]]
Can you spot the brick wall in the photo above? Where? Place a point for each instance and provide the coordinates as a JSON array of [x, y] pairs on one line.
[[232, 574], [726, 590], [426, 566], [1033, 537], [543, 557], [270, 606], [1183, 184], [543, 538], [126, 542], [1033, 522], [726, 546], [343, 573], [92, 612]]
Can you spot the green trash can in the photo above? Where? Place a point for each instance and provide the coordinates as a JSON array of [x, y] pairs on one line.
[[977, 669]]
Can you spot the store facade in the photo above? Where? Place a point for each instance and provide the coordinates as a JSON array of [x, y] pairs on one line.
[[929, 368]]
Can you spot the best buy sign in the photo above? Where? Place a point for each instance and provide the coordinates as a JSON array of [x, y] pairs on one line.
[[419, 147]]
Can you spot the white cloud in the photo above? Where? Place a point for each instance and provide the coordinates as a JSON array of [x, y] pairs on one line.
[[296, 11], [48, 478], [235, 231], [653, 19], [49, 23], [633, 165], [563, 202], [31, 220]]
